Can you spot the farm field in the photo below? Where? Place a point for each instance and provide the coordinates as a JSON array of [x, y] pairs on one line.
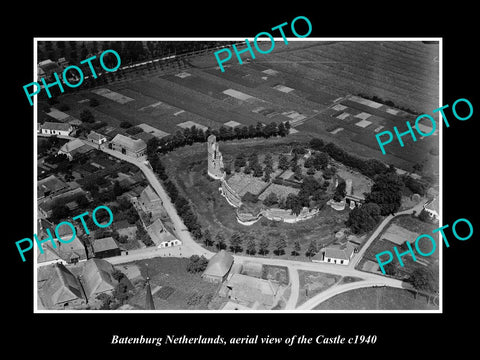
[[377, 299], [301, 82]]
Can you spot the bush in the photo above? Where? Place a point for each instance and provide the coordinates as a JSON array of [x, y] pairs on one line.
[[197, 264], [125, 125]]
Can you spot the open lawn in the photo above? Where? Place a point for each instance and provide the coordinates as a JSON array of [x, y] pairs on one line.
[[384, 298], [313, 283]]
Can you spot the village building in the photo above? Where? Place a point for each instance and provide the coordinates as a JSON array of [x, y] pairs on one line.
[[74, 148], [335, 254], [161, 236], [252, 291], [128, 146], [97, 278], [96, 138], [49, 186], [58, 288], [106, 247], [218, 267], [149, 200], [432, 209], [52, 128]]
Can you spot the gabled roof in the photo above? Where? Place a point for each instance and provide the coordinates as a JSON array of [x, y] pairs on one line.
[[129, 143], [433, 205], [219, 264], [56, 126], [75, 145], [97, 277], [62, 287], [104, 244], [149, 195], [342, 252], [95, 136]]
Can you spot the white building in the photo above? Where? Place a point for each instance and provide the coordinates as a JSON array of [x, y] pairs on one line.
[[51, 128], [335, 254]]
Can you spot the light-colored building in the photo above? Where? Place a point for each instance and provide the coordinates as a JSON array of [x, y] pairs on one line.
[[149, 199], [432, 208], [105, 247], [73, 148], [161, 236], [128, 146], [96, 138], [250, 290], [97, 277], [51, 128], [218, 267], [335, 254]]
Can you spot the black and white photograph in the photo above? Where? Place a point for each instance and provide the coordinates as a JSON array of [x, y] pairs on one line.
[[297, 181]]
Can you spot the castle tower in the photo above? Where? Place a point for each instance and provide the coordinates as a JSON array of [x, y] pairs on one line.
[[215, 159]]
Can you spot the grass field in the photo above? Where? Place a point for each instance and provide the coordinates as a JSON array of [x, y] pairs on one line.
[[313, 283], [377, 299], [316, 75]]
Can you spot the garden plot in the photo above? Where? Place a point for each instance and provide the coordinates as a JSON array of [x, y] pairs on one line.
[[154, 131], [283, 88], [270, 72], [232, 124], [398, 234], [363, 123], [183, 75], [343, 116], [189, 124], [112, 95], [60, 115]]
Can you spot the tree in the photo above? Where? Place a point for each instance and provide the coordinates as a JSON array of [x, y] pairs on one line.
[[197, 264], [312, 248], [420, 280], [220, 241], [283, 162], [296, 248], [207, 238], [280, 245], [125, 124], [268, 160], [117, 189], [239, 162], [251, 245], [257, 170], [317, 144], [297, 173], [292, 202], [340, 190], [271, 199], [365, 218], [389, 269], [268, 170], [86, 116], [263, 246], [236, 241]]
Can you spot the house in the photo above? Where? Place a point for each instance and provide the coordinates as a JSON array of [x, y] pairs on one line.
[[336, 254], [50, 186], [106, 247], [432, 209], [62, 289], [74, 148], [128, 146], [96, 138], [161, 236], [218, 267], [52, 128], [252, 291], [97, 278], [149, 200], [48, 68], [73, 251]]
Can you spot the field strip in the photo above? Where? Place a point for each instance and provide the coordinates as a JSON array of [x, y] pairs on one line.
[[112, 95]]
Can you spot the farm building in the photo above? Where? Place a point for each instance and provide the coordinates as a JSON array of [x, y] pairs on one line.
[[432, 208], [161, 236], [50, 186], [51, 128], [96, 138], [97, 277], [106, 247], [336, 254], [74, 148], [250, 290], [128, 146], [149, 200], [61, 288], [218, 267]]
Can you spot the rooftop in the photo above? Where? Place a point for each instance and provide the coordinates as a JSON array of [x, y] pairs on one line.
[[129, 143], [219, 264], [56, 126], [104, 244]]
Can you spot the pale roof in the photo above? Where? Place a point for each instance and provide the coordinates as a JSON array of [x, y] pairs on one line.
[[104, 244], [72, 145], [56, 126], [62, 287], [219, 264], [97, 277], [434, 205], [95, 136], [342, 252], [252, 289], [129, 143], [149, 195]]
